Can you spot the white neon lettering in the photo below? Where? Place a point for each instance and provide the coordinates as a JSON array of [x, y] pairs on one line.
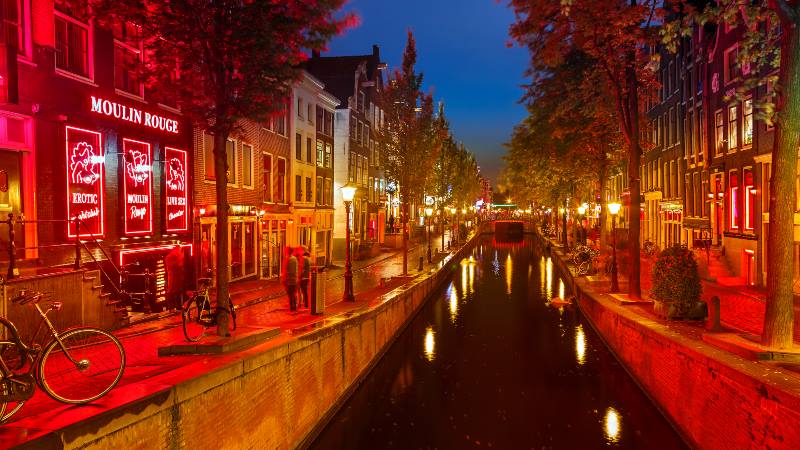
[[78, 197], [176, 201], [89, 213], [130, 114], [176, 215], [97, 105], [139, 199], [138, 212]]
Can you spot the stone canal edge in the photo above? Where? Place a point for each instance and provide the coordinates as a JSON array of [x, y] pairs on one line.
[[291, 389], [713, 398]]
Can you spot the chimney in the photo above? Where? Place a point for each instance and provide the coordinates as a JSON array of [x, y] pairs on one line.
[[376, 51]]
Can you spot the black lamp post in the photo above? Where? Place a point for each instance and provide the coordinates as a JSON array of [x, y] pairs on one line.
[[428, 214], [348, 192], [613, 208]]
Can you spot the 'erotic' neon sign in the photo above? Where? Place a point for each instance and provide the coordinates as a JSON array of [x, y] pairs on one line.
[[134, 115], [176, 190], [138, 191], [84, 163]]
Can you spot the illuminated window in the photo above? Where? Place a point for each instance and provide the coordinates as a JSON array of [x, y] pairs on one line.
[[208, 157], [266, 173], [72, 45], [749, 200], [719, 132], [230, 166], [733, 127], [320, 153], [14, 18], [280, 194], [328, 155], [128, 58], [734, 200], [247, 165], [747, 122]]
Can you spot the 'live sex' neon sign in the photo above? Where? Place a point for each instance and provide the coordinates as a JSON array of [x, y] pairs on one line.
[[138, 192], [84, 167], [176, 189]]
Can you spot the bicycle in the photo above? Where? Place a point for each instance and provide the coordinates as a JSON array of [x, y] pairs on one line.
[[198, 316], [76, 366]]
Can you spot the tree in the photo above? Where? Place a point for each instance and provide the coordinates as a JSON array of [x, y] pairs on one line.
[[234, 60], [411, 139], [757, 50], [615, 34]]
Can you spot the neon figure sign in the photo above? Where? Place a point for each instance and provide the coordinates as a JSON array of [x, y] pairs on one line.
[[84, 176], [177, 210], [138, 187]]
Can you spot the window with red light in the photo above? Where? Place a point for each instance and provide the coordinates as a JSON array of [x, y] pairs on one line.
[[733, 203], [14, 22], [128, 58], [749, 200], [72, 45]]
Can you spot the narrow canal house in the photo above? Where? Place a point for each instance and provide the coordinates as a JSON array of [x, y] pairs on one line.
[[84, 138]]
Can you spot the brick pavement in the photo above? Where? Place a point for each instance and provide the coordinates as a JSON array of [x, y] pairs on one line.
[[372, 278]]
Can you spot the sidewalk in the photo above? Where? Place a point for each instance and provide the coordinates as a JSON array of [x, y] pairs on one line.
[[371, 279]]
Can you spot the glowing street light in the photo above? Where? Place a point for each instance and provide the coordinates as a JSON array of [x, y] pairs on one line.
[[613, 209], [348, 192]]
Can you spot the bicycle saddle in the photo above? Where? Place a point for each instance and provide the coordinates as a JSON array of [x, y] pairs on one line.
[[26, 296]]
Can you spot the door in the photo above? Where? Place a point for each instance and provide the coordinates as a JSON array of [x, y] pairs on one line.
[[10, 200]]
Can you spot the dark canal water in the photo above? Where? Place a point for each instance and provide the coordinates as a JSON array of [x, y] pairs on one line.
[[489, 363]]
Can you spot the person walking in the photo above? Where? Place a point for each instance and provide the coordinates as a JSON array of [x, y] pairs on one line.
[[290, 278], [305, 273]]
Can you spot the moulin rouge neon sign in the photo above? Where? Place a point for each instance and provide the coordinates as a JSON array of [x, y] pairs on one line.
[[84, 163], [176, 191], [134, 115], [138, 187]]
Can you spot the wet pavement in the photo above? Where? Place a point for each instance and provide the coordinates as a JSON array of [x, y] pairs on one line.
[[491, 363]]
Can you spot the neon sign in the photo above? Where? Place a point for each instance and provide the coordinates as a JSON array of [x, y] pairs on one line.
[[84, 167], [138, 187], [134, 115], [176, 191]]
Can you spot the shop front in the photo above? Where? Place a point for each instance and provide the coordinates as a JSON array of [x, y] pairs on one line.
[[243, 244]]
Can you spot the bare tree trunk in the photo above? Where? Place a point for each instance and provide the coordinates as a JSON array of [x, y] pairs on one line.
[[405, 234], [779, 316], [634, 157], [221, 174], [602, 218]]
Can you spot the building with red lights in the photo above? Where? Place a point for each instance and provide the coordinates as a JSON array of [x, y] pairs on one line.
[[88, 150]]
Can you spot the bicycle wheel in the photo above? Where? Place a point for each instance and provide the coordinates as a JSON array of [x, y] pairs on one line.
[[84, 366], [193, 326]]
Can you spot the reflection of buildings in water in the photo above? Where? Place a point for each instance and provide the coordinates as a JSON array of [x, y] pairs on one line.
[[560, 288], [612, 425], [509, 273], [464, 279], [404, 379], [453, 304], [580, 345], [429, 349], [471, 283], [496, 264], [548, 279]]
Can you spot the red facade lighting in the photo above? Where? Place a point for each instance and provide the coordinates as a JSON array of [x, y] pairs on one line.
[[137, 187], [176, 188], [85, 179]]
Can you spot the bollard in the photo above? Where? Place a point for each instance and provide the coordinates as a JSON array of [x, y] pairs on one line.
[[420, 263], [712, 323]]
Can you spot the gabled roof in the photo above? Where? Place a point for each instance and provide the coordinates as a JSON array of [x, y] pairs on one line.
[[338, 72]]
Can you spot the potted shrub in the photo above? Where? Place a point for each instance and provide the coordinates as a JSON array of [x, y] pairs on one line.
[[676, 284]]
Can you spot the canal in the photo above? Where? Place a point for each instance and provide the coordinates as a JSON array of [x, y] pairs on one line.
[[491, 363]]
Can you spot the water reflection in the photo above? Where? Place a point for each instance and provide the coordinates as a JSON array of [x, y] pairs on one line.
[[612, 425], [453, 304], [548, 284], [429, 350], [561, 289], [580, 345], [509, 273]]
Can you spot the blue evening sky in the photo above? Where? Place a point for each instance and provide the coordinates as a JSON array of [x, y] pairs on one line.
[[461, 50]]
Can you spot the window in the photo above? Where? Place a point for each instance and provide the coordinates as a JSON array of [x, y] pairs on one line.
[[298, 188], [688, 129], [362, 99], [671, 74], [320, 120], [266, 176], [699, 135], [730, 64], [247, 165], [230, 152], [320, 153], [309, 191], [366, 135], [671, 129], [747, 122], [329, 123], [719, 132], [351, 167], [328, 155], [280, 194], [370, 192], [733, 127], [14, 16], [328, 191], [749, 200], [358, 168], [353, 128], [298, 146], [300, 107], [72, 45], [309, 150], [734, 200], [280, 123], [310, 113], [320, 197], [208, 157], [364, 170], [128, 58]]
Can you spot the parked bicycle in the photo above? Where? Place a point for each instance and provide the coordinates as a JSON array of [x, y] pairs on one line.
[[76, 366], [198, 314]]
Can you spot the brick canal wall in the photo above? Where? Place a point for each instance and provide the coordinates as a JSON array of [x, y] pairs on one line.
[[715, 399], [275, 398]]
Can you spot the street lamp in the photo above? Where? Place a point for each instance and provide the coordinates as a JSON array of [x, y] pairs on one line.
[[348, 192], [428, 214], [613, 209]]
